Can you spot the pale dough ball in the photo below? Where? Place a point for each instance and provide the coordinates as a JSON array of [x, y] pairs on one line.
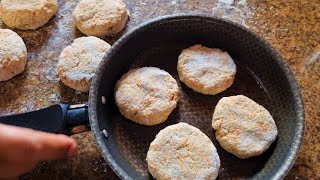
[[243, 127], [79, 61], [13, 54], [206, 70], [147, 95], [100, 17], [182, 151], [27, 14]]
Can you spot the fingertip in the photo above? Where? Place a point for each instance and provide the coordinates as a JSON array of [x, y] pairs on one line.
[[72, 149], [66, 139], [71, 143]]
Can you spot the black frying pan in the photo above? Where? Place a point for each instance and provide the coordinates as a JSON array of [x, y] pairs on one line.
[[262, 75]]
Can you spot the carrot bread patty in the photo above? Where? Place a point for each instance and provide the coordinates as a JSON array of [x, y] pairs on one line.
[[182, 151], [206, 70], [243, 127], [27, 14], [100, 17], [13, 54], [78, 62], [147, 95]]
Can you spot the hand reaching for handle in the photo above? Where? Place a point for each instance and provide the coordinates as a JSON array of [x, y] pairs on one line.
[[21, 149]]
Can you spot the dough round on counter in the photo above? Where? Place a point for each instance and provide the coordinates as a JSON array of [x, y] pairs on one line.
[[100, 17], [146, 95], [206, 70], [13, 54], [243, 127], [27, 14], [182, 151], [79, 61]]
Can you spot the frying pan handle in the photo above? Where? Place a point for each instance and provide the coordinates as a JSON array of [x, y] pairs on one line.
[[59, 118]]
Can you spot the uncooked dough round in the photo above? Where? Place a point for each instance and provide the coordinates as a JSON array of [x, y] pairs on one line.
[[27, 14], [182, 151], [243, 127], [100, 17], [147, 95], [79, 61], [13, 54], [206, 70]]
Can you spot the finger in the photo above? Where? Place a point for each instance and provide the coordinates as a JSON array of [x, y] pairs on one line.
[[26, 144], [55, 146]]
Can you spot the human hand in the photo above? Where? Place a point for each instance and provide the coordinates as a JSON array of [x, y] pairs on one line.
[[21, 149]]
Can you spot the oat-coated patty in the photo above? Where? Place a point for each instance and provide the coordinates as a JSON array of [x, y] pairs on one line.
[[182, 151], [146, 95], [243, 127], [206, 70], [100, 17], [27, 14], [79, 61], [13, 54]]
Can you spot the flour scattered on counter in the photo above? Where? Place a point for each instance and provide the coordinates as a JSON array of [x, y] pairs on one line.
[[175, 2], [226, 1], [51, 74], [54, 97], [243, 2], [313, 64], [235, 10]]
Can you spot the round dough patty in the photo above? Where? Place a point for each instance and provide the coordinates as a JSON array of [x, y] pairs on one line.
[[243, 127], [27, 14], [79, 61], [182, 151], [146, 95], [206, 70], [100, 17], [13, 54]]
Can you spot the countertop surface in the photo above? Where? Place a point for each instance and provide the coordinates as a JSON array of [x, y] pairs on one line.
[[292, 27]]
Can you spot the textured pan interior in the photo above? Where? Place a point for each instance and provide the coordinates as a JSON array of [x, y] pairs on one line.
[[262, 76]]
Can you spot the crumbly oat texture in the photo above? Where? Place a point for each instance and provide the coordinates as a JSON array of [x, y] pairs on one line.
[[182, 151], [100, 17], [13, 54], [147, 95], [206, 70], [243, 127], [27, 14], [79, 61]]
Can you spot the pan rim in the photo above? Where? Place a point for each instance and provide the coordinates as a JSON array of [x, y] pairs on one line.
[[283, 65]]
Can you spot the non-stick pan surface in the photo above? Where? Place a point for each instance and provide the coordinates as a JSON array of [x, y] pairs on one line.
[[262, 75]]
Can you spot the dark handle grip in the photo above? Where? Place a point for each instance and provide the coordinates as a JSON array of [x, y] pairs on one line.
[[54, 119]]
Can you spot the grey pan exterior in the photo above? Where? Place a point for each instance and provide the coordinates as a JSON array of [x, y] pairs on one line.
[[95, 97]]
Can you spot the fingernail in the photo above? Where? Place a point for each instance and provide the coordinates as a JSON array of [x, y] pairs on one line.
[[72, 150]]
